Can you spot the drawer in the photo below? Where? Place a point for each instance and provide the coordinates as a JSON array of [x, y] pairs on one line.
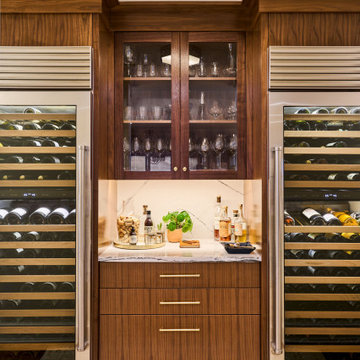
[[179, 275], [180, 301], [136, 337]]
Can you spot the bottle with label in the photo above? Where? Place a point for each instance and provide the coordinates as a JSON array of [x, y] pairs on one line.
[[148, 225], [288, 219], [225, 225], [133, 236], [241, 229], [142, 224], [313, 217], [217, 215], [234, 217], [345, 218], [331, 219]]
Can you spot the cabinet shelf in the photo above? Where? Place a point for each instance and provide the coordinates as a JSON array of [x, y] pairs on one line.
[[36, 278], [322, 348], [322, 150], [37, 133], [37, 329], [209, 78], [36, 346], [222, 122], [37, 244], [37, 312], [37, 261], [322, 280], [30, 227], [322, 263], [153, 122], [38, 296], [322, 314], [321, 331], [321, 246], [41, 116], [321, 134], [37, 150], [322, 184], [322, 297], [155, 78], [322, 167], [322, 229], [37, 183], [42, 166], [323, 117]]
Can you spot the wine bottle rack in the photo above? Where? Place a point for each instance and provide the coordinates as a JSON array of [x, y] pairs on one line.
[[321, 134], [322, 167], [322, 280], [322, 229], [41, 299], [322, 348], [322, 263], [321, 246], [323, 184], [322, 117], [322, 297], [322, 151]]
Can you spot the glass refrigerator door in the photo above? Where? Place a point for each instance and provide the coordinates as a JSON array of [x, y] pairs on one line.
[[322, 241], [38, 220]]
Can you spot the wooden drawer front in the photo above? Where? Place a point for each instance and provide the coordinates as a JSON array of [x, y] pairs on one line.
[[136, 337], [184, 301], [165, 275]]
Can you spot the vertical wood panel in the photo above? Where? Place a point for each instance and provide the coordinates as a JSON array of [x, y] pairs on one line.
[[300, 29], [46, 30]]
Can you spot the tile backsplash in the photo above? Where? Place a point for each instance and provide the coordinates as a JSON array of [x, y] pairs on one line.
[[198, 197]]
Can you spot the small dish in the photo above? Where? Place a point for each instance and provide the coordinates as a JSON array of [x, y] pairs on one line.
[[242, 248]]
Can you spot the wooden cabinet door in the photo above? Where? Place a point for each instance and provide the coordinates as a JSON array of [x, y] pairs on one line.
[[213, 337]]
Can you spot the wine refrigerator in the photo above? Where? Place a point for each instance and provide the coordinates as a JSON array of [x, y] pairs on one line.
[[314, 208], [45, 211]]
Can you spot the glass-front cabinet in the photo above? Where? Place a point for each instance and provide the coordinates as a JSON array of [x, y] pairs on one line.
[[180, 107]]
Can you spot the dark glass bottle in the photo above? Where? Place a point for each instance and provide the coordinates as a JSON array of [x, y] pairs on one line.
[[67, 125], [318, 254], [65, 175], [50, 126], [66, 287], [313, 217], [71, 218], [50, 143], [46, 287], [3, 214], [331, 219], [58, 216], [68, 159], [17, 216], [353, 176], [39, 216], [336, 177], [50, 159], [288, 219], [338, 143], [12, 236]]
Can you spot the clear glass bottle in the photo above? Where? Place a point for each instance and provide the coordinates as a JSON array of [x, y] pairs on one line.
[[202, 69], [148, 227], [142, 224], [225, 225], [217, 214], [234, 220], [241, 232], [201, 112]]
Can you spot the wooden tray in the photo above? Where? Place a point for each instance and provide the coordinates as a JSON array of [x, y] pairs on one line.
[[139, 247]]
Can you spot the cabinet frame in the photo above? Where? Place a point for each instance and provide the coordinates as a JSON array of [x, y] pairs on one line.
[[180, 125]]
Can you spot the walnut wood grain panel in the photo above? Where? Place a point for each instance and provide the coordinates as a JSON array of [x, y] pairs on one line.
[[299, 6], [317, 29], [147, 275], [51, 6], [202, 337], [180, 301], [45, 29]]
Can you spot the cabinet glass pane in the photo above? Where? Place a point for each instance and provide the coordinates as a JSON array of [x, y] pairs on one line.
[[37, 232], [147, 107], [322, 253], [213, 106]]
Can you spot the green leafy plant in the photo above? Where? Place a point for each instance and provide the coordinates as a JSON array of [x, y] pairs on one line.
[[159, 226], [178, 220]]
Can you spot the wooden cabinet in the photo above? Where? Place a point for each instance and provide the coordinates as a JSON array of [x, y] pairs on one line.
[[179, 311], [180, 108]]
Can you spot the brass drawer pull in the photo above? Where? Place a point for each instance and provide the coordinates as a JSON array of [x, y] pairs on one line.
[[179, 330], [179, 302], [180, 275]]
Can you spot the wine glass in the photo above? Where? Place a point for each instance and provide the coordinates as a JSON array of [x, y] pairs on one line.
[[147, 148], [233, 146], [204, 149], [159, 152], [215, 110], [166, 71], [129, 59], [231, 111], [126, 151], [219, 147], [214, 70], [136, 146]]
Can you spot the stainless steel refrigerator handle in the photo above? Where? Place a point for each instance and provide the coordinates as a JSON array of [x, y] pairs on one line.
[[278, 247], [81, 249]]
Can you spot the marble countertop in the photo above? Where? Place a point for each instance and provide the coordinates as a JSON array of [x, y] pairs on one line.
[[209, 251]]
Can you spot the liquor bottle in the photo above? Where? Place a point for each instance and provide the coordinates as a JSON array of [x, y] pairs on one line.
[[16, 216], [50, 143], [31, 236], [133, 237], [313, 217], [351, 237], [148, 224], [3, 214], [241, 229], [71, 218], [225, 225], [217, 215], [345, 219], [39, 216], [58, 216], [288, 219], [336, 177], [353, 176], [234, 218], [201, 112], [331, 219]]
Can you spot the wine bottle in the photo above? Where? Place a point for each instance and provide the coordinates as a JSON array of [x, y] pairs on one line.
[[65, 175], [50, 143], [50, 126], [300, 254], [13, 159], [298, 237], [338, 254], [32, 142], [67, 125], [31, 236], [13, 126], [66, 287], [71, 218], [288, 254], [12, 236], [316, 161], [46, 287], [31, 125], [50, 159], [345, 219], [355, 255], [317, 237], [340, 288], [351, 237], [27, 287], [313, 217], [318, 254], [301, 144], [29, 253], [39, 216], [319, 271], [10, 304], [68, 159], [288, 219], [301, 125], [16, 216], [331, 219], [336, 177], [58, 216], [31, 159], [338, 143], [3, 214], [353, 176], [318, 125]]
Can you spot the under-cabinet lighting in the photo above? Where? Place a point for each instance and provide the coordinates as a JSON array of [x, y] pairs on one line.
[[219, 2], [193, 60]]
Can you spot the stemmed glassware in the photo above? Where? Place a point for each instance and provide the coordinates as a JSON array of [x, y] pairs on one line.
[[126, 152], [204, 149], [159, 151], [219, 147], [233, 146], [129, 59], [147, 149], [231, 111], [215, 110]]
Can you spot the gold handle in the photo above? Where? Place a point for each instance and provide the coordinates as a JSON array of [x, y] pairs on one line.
[[179, 275], [179, 302], [179, 330], [184, 168], [176, 168]]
